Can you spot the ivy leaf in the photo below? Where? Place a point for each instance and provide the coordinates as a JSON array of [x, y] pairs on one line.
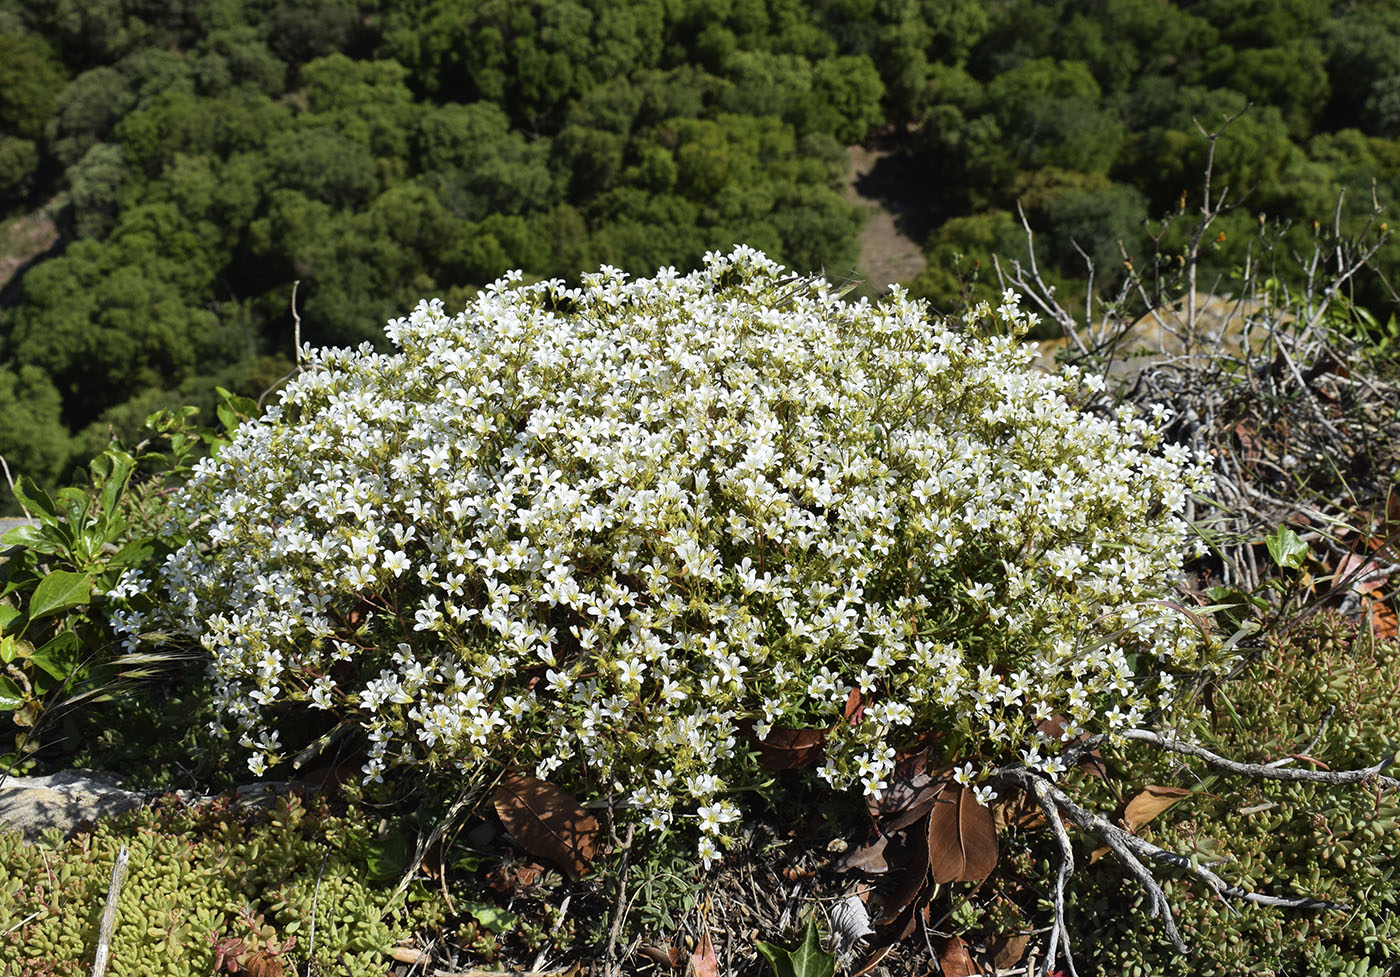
[[962, 837], [11, 698], [60, 591], [547, 821], [1286, 548], [808, 960], [386, 857], [493, 918]]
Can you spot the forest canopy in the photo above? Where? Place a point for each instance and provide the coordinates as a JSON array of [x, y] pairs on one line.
[[197, 158]]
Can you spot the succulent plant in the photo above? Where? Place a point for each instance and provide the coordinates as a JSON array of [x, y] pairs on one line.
[[200, 879], [1324, 680]]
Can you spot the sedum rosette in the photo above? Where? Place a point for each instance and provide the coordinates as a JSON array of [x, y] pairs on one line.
[[608, 533]]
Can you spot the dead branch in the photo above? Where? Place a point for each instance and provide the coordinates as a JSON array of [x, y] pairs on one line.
[[1259, 771]]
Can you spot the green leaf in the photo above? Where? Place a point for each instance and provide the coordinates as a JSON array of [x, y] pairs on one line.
[[76, 505], [136, 553], [808, 960], [120, 465], [31, 537], [35, 499], [9, 649], [386, 857], [11, 698], [495, 919], [8, 615], [60, 591], [59, 655], [1286, 548]]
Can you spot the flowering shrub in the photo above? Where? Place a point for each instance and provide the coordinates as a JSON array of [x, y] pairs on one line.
[[593, 531]]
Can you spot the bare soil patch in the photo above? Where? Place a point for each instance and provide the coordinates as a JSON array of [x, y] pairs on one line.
[[896, 201]]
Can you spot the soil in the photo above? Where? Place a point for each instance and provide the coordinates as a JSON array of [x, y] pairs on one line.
[[897, 203]]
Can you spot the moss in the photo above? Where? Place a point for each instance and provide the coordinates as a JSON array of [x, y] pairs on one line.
[[1334, 843], [200, 874]]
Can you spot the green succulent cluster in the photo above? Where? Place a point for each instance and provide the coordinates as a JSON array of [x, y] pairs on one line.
[[1333, 843], [200, 873]]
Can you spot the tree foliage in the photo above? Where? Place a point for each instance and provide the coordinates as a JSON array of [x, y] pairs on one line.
[[211, 154]]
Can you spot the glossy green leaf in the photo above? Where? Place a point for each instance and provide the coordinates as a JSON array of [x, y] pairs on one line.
[[11, 698], [36, 500], [32, 537], [494, 918], [8, 615], [1286, 548], [60, 591], [386, 857], [120, 465]]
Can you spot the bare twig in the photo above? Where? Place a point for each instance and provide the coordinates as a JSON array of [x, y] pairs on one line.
[[109, 913], [1260, 771]]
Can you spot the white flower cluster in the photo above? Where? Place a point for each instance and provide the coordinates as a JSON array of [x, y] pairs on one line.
[[592, 531]]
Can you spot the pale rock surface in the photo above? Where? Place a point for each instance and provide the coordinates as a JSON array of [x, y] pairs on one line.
[[63, 800]]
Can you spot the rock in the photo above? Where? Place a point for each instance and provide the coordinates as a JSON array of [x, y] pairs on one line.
[[68, 800]]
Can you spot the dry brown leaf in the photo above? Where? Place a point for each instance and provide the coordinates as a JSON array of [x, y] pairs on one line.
[[264, 964], [786, 749], [1150, 802], [955, 960], [962, 837], [912, 881], [1381, 616], [704, 962], [1008, 949], [547, 821], [867, 858]]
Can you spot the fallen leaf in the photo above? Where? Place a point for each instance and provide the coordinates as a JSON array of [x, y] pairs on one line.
[[850, 923], [1008, 949], [547, 821], [264, 964], [912, 881], [854, 713], [956, 960], [704, 962], [867, 858], [1381, 616], [1150, 802], [962, 837], [786, 749]]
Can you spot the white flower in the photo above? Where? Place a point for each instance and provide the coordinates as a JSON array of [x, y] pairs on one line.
[[594, 531]]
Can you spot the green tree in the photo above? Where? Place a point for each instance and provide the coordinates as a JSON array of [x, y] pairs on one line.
[[33, 439], [30, 80], [96, 182], [845, 98]]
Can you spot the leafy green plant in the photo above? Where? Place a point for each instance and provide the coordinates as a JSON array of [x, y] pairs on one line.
[[65, 579], [807, 960]]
